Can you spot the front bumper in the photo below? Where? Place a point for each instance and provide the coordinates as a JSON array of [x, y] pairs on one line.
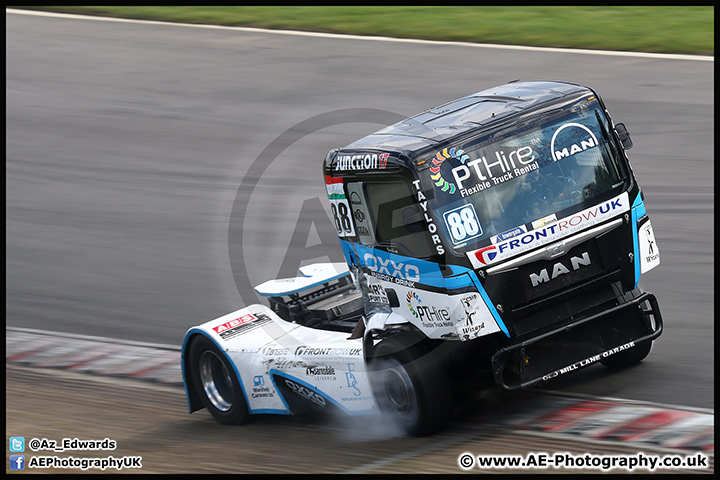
[[578, 344]]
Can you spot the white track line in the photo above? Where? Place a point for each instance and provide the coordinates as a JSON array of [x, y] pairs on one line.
[[664, 56]]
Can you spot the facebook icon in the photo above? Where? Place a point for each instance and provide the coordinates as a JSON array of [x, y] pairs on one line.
[[17, 462]]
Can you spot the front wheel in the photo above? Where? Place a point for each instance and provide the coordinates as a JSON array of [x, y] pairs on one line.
[[629, 357], [635, 354], [410, 387], [216, 382]]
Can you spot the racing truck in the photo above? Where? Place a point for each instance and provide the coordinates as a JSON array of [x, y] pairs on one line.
[[495, 241]]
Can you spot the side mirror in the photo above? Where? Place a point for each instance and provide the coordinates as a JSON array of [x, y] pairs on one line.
[[392, 297], [623, 135]]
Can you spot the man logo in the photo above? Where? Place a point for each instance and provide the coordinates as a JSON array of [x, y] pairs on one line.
[[487, 254], [559, 269], [571, 146]]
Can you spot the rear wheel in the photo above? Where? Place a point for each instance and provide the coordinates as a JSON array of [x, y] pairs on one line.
[[216, 382], [410, 387]]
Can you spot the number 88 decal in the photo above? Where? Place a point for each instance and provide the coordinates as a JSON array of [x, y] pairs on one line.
[[462, 224], [340, 210]]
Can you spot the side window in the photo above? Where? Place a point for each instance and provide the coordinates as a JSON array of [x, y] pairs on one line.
[[396, 218]]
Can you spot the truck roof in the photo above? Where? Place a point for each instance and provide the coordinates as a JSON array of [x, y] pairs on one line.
[[456, 118]]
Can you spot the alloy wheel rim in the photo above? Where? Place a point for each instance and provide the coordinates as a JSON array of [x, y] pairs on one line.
[[216, 381]]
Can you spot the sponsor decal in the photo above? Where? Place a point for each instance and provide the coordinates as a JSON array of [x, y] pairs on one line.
[[358, 213], [241, 325], [327, 351], [274, 351], [410, 296], [367, 161], [433, 317], [339, 207], [440, 182], [259, 390], [588, 361], [541, 222], [462, 224], [432, 228], [283, 364], [391, 271], [550, 232], [486, 255], [649, 253], [480, 174], [473, 325], [377, 294], [559, 269], [352, 384], [394, 268], [305, 392], [334, 187], [430, 316], [513, 232], [320, 372], [575, 139], [234, 323], [652, 255], [352, 380]]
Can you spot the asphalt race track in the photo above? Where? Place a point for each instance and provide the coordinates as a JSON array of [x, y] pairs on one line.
[[132, 149]]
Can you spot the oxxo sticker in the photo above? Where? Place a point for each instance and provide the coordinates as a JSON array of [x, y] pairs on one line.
[[305, 392], [388, 270]]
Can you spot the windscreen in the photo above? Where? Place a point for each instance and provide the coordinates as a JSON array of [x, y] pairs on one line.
[[524, 178]]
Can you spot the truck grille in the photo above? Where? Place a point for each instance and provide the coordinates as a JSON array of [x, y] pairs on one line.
[[545, 277]]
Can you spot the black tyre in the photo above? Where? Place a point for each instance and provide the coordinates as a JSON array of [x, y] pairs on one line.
[[216, 382], [637, 353], [628, 357], [411, 389]]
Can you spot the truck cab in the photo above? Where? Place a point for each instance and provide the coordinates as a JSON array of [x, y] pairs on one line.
[[497, 238]]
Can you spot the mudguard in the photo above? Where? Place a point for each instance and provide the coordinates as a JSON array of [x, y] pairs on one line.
[[274, 359]]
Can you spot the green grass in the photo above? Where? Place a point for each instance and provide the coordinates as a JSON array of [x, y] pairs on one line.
[[645, 29]]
